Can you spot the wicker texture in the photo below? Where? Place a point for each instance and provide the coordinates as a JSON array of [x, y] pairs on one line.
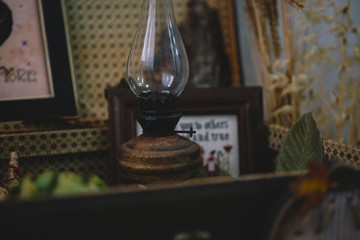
[[332, 150]]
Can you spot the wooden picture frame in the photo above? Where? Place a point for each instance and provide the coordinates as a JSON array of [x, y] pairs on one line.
[[244, 102], [212, 44], [59, 97]]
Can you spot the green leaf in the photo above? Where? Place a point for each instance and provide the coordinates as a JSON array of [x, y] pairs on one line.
[[301, 144]]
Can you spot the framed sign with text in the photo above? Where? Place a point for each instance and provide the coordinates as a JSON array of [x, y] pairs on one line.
[[228, 123], [36, 77], [217, 136]]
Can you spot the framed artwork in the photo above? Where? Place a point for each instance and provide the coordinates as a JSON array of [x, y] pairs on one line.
[[209, 33], [217, 136], [36, 77], [228, 123]]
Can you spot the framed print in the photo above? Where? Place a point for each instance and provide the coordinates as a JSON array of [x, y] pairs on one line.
[[228, 123], [217, 136], [36, 77]]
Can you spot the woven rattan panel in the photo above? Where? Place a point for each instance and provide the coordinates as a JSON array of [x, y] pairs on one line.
[[332, 149], [54, 142]]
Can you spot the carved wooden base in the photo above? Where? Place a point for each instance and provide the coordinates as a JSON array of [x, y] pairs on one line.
[[152, 159]]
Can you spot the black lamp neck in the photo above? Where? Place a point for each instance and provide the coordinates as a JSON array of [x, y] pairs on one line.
[[158, 113]]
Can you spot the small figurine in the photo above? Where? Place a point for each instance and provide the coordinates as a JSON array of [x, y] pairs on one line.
[[14, 173], [13, 177]]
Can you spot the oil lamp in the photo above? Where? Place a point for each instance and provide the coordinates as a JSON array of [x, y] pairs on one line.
[[157, 72]]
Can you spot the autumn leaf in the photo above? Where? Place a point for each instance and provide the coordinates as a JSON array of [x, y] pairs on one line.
[[314, 186]]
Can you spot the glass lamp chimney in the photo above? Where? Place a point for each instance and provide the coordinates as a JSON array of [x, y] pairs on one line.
[[157, 62], [157, 68]]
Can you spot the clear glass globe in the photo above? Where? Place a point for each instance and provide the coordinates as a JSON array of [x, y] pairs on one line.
[[157, 62]]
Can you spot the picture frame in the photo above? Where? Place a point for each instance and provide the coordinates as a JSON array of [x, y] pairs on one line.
[[59, 100], [243, 102], [213, 41]]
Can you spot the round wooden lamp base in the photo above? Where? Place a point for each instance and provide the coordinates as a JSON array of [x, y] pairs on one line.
[[156, 159]]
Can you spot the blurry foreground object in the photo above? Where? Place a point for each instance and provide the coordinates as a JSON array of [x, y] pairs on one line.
[[323, 204], [52, 184]]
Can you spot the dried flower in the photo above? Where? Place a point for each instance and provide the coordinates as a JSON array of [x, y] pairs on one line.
[[296, 5]]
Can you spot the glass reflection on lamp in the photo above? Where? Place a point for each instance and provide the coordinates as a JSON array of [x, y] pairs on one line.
[[158, 67]]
